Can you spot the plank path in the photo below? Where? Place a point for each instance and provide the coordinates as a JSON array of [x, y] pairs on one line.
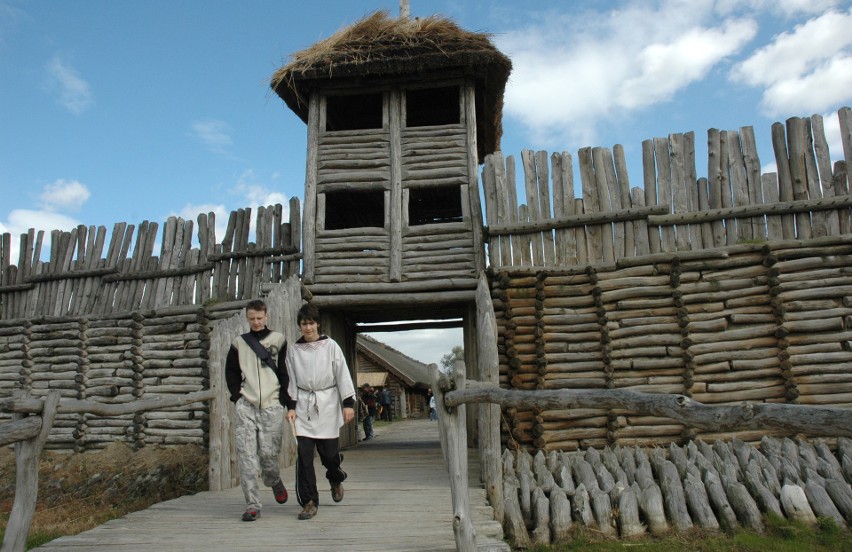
[[397, 498]]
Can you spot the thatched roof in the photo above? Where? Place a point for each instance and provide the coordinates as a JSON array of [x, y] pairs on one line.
[[379, 46]]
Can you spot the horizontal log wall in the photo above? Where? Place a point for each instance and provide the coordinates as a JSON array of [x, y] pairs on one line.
[[759, 323], [86, 275], [116, 359], [437, 156], [675, 210]]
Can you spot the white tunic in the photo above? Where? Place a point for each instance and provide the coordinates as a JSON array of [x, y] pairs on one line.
[[319, 382]]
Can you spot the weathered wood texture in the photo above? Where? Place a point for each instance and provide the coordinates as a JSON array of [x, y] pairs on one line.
[[757, 323], [723, 485], [401, 165], [675, 210], [115, 361], [397, 498], [85, 275]]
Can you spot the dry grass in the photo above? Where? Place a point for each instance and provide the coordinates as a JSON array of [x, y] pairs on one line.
[[80, 491]]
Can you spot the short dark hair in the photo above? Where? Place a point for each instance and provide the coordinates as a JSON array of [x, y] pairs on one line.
[[256, 305], [308, 312]]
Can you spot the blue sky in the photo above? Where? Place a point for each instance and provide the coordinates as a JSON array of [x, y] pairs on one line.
[[128, 111]]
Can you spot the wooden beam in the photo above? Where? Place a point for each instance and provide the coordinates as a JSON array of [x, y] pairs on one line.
[[430, 325], [633, 213], [828, 421]]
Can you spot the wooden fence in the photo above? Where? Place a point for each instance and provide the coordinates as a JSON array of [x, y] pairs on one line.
[[78, 280], [628, 491], [676, 210]]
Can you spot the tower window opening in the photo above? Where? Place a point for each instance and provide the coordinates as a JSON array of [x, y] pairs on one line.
[[351, 209], [353, 112], [434, 205], [432, 106]]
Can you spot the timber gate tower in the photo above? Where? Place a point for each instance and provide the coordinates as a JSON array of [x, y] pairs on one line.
[[400, 114]]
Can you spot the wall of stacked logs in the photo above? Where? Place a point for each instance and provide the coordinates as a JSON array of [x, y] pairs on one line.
[[760, 323], [117, 359]]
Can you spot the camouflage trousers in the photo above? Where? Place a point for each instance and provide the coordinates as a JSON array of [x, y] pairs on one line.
[[258, 437]]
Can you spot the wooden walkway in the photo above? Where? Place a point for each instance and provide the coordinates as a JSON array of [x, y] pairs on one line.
[[397, 499]]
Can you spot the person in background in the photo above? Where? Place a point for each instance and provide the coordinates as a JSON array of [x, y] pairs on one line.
[[433, 405], [257, 382], [322, 400], [386, 401], [368, 399]]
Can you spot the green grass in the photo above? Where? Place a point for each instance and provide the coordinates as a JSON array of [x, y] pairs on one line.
[[781, 535], [34, 539]]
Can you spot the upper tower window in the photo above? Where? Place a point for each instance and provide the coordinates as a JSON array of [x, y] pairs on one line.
[[354, 209], [432, 106], [353, 111]]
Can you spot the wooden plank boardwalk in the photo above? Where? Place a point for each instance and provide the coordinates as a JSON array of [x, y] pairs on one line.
[[397, 499]]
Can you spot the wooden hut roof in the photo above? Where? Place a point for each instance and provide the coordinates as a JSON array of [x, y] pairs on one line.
[[379, 46], [413, 373]]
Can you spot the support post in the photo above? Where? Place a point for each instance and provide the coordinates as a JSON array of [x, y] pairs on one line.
[[489, 414], [454, 446], [27, 455]]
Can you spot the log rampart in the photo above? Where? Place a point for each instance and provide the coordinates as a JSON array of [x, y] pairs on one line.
[[84, 275]]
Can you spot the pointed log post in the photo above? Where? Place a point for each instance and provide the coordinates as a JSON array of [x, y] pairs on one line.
[[489, 414], [26, 483], [454, 446]]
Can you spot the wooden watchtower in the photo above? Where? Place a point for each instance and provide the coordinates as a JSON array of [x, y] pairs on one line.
[[400, 114]]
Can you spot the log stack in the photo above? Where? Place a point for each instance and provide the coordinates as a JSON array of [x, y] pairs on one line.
[[759, 323], [116, 359]]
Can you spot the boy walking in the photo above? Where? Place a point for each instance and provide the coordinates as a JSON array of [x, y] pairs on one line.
[[257, 382], [323, 399]]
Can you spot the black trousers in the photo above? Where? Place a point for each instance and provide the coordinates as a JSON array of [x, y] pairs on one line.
[[306, 477]]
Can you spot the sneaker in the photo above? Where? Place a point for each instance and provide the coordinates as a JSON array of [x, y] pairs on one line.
[[309, 510], [337, 492], [280, 492], [251, 514]]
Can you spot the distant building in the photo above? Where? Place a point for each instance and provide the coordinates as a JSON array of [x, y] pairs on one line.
[[383, 366]]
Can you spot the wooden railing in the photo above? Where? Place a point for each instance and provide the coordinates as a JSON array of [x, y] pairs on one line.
[[29, 429], [453, 392]]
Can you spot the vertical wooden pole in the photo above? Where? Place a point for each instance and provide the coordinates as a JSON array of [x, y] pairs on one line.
[[489, 414], [26, 480], [395, 115], [454, 446]]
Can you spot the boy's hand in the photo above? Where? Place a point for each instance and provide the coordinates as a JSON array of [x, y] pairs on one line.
[[348, 414]]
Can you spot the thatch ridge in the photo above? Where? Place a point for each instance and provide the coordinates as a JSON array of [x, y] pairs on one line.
[[381, 46]]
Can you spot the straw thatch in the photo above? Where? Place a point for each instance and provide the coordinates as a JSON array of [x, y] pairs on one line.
[[381, 47]]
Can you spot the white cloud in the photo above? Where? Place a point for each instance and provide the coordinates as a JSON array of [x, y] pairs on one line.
[[19, 221], [806, 69], [669, 67], [64, 194], [213, 133], [255, 194], [74, 92], [785, 8], [570, 73]]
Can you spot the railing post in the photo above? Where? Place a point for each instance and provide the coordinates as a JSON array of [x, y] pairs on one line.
[[453, 434], [26, 480]]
